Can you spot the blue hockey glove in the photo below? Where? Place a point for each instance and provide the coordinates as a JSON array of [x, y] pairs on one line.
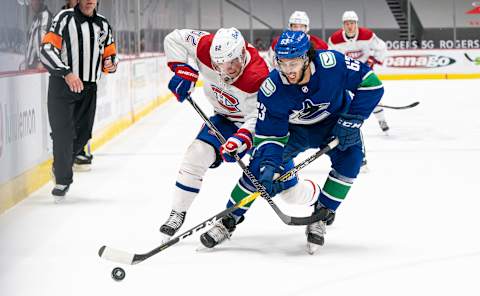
[[267, 172], [347, 130], [183, 82], [239, 143]]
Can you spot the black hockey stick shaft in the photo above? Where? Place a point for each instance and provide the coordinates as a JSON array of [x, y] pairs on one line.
[[129, 258], [289, 220], [399, 107], [468, 57]]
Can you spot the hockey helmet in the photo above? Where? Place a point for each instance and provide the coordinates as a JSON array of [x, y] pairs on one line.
[[292, 44], [350, 15], [228, 46], [299, 17]]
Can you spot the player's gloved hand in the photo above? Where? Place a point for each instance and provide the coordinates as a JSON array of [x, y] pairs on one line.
[[371, 61], [183, 82], [239, 143], [267, 173], [347, 130]]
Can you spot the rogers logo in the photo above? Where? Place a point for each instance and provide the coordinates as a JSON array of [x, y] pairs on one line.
[[418, 61]]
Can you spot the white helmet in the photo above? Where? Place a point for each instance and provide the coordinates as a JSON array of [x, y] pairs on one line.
[[299, 17], [349, 16], [227, 44]]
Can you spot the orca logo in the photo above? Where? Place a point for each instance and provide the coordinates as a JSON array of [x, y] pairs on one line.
[[310, 113], [227, 101]]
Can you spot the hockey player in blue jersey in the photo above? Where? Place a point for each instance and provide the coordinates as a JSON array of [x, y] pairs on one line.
[[303, 104]]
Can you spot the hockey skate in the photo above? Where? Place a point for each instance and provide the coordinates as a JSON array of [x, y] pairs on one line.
[[82, 162], [221, 231], [173, 224], [364, 168], [384, 126], [59, 192], [316, 231]]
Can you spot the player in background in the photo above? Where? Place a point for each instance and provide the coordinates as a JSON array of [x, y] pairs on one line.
[[298, 21], [233, 72], [361, 44], [303, 104]]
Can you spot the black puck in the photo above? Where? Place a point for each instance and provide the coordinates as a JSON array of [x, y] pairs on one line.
[[118, 273]]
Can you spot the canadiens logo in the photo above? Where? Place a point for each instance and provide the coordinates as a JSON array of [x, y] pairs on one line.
[[354, 54], [226, 100]]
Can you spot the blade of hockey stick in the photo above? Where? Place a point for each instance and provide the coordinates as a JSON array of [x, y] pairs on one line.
[[289, 220], [124, 257], [399, 107]]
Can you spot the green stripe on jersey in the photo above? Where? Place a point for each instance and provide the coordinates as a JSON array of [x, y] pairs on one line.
[[259, 139], [336, 188], [239, 193], [370, 80]]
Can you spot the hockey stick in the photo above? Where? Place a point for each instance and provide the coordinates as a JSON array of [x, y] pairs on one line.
[[289, 220], [120, 256], [399, 107], [468, 57]]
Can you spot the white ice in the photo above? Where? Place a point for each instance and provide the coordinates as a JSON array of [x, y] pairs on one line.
[[408, 227]]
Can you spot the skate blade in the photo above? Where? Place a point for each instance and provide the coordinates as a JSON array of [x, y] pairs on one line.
[[312, 248], [203, 249], [81, 168], [364, 169], [164, 238], [58, 199]]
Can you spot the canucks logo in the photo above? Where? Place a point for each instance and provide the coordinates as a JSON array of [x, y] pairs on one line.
[[310, 113], [227, 101]]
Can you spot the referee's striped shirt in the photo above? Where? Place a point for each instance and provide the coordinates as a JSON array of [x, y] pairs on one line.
[[79, 44], [39, 27]]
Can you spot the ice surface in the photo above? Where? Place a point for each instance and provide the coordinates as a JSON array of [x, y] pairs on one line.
[[408, 227]]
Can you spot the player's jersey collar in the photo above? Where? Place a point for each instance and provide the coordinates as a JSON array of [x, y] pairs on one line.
[[350, 39]]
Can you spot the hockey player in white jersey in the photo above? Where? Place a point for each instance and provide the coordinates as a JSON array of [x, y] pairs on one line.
[[233, 72], [361, 44], [298, 21]]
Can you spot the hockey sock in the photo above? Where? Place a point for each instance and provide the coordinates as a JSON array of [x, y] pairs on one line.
[[335, 190], [238, 193], [379, 113], [197, 160], [305, 192]]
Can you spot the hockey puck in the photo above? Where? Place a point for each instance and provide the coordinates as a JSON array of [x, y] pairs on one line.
[[118, 274]]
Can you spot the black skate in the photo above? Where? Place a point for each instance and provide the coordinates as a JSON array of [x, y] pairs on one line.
[[316, 231], [82, 162], [330, 220], [383, 125], [59, 192], [173, 224], [222, 230]]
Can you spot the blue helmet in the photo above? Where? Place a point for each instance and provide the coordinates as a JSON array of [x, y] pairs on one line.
[[292, 44]]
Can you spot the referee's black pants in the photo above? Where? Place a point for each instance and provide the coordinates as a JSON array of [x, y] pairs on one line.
[[71, 117]]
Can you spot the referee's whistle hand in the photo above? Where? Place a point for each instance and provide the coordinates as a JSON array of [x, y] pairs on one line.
[[74, 83]]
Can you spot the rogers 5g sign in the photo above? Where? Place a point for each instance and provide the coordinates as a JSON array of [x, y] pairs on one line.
[[418, 61]]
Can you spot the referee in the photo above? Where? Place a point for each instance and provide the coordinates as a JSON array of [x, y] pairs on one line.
[[76, 49]]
